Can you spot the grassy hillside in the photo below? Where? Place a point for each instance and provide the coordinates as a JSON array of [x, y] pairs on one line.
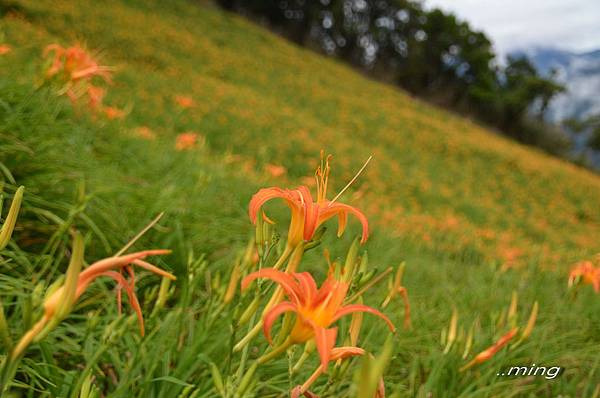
[[474, 216]]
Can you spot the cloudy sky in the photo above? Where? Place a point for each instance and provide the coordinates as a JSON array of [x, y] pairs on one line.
[[514, 24]]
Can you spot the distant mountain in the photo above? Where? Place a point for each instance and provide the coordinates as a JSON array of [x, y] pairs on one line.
[[580, 73]]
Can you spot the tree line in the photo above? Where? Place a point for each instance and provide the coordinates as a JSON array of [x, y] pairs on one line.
[[430, 53]]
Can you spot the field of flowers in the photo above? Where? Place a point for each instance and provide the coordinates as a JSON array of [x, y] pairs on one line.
[[168, 152]]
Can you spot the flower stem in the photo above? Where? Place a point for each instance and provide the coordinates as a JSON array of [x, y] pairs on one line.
[[275, 352]]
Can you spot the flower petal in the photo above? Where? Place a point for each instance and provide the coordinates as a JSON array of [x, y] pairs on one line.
[[331, 209], [286, 281], [362, 308], [263, 196], [346, 352], [272, 315], [325, 341], [133, 301], [307, 285]]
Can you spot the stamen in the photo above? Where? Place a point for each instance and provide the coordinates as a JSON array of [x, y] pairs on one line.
[[351, 181], [322, 177]]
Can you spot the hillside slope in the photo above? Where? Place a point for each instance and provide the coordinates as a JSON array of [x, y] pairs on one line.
[[434, 175], [460, 204]]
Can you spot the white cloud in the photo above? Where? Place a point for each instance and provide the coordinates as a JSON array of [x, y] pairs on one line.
[[567, 24]]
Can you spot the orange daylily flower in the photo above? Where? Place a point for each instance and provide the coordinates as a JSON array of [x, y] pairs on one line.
[[185, 101], [186, 141], [492, 350], [146, 133], [75, 62], [107, 267], [5, 49], [589, 274], [95, 96], [275, 170], [337, 353], [113, 113], [307, 214], [316, 309]]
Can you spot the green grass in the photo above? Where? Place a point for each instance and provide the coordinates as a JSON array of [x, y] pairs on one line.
[[452, 200]]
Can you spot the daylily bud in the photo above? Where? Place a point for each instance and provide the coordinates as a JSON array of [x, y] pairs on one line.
[[469, 341], [395, 286], [246, 381], [70, 287], [351, 260], [286, 328], [11, 218], [88, 389], [364, 263], [512, 310], [217, 379], [163, 294], [451, 331], [530, 324], [369, 378], [501, 320], [365, 278], [249, 311], [233, 283], [248, 259], [54, 287], [4, 331], [531, 321], [490, 351], [355, 325], [38, 294]]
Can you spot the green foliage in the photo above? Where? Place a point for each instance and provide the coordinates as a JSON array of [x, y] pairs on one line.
[[96, 176]]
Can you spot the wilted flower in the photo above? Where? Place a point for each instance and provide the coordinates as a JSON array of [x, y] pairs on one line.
[[307, 214], [316, 309]]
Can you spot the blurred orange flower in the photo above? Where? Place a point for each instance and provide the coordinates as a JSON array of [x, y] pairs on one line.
[[113, 113], [275, 170], [75, 62], [145, 133], [95, 96], [185, 101], [587, 272], [5, 49], [185, 141]]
